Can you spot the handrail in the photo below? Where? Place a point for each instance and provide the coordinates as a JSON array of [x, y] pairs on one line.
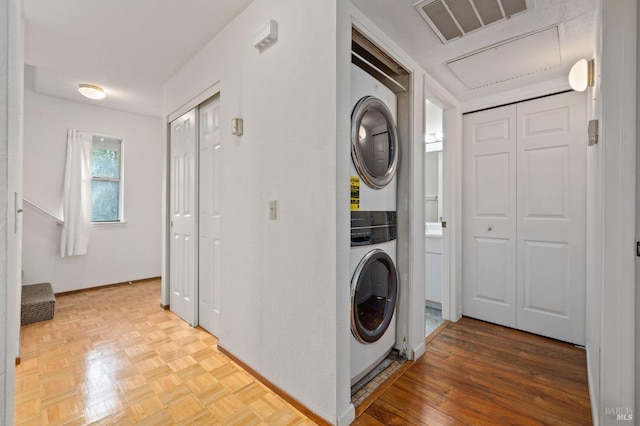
[[59, 222]]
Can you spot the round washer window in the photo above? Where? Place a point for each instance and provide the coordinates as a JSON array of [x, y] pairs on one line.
[[374, 291], [374, 142]]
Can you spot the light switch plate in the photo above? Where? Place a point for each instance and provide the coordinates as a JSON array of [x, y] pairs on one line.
[[593, 132], [273, 210]]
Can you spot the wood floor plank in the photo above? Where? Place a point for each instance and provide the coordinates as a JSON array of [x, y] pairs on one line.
[[479, 373], [557, 375], [113, 356]]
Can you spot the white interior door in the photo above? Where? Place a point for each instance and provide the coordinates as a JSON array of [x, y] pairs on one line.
[[489, 216], [183, 255], [551, 256], [524, 222], [210, 186]]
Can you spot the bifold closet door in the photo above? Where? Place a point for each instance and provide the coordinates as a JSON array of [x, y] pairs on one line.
[[183, 225], [524, 181], [551, 203], [489, 216], [209, 234]]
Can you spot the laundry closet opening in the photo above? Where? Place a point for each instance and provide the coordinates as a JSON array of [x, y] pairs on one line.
[[379, 288]]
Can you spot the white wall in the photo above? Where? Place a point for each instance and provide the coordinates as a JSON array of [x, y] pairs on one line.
[[11, 59], [617, 206], [594, 239], [117, 252], [278, 298], [637, 312]]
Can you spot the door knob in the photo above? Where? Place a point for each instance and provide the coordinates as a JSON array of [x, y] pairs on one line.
[[489, 228]]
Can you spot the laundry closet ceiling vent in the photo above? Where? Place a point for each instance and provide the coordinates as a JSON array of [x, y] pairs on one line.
[[452, 19]]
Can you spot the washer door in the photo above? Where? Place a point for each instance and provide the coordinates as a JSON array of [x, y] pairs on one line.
[[374, 290], [374, 142]]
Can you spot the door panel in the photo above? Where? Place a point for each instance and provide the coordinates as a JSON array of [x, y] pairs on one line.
[[489, 216], [551, 216], [210, 216], [492, 185], [492, 271], [546, 194], [183, 260], [545, 291]]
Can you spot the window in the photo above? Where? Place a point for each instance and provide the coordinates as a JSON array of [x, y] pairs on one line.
[[106, 179]]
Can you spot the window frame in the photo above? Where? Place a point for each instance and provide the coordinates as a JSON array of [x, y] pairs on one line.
[[120, 181]]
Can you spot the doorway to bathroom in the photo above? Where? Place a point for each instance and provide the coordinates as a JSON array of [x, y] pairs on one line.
[[433, 215]]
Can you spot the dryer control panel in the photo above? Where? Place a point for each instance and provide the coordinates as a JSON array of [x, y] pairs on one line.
[[373, 227]]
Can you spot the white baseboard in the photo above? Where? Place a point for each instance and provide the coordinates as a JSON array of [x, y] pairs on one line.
[[348, 416], [418, 351], [592, 395]]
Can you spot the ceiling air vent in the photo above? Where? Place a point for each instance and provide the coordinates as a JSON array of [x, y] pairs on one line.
[[452, 19]]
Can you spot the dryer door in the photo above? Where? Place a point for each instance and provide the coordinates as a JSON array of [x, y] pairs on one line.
[[374, 142], [374, 290]]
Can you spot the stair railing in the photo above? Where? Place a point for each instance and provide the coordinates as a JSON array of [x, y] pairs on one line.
[[39, 209]]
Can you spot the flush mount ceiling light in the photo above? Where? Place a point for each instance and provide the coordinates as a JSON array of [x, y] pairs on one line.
[[91, 91], [581, 75]]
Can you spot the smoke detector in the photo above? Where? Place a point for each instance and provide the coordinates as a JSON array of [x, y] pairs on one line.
[[453, 19]]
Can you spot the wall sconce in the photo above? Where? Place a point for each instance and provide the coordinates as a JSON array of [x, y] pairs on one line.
[[582, 74]]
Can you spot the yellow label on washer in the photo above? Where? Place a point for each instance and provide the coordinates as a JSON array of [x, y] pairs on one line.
[[355, 193]]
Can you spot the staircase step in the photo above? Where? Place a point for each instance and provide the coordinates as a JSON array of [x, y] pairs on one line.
[[38, 303]]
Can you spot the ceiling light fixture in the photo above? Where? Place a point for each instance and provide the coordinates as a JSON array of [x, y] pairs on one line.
[[581, 75], [91, 91]]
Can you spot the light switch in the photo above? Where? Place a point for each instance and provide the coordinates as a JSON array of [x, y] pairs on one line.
[[236, 126], [273, 210]]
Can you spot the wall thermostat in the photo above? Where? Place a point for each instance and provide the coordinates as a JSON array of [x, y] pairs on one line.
[[236, 126], [266, 35]]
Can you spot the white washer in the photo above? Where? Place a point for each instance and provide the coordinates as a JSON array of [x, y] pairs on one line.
[[374, 143], [374, 290]]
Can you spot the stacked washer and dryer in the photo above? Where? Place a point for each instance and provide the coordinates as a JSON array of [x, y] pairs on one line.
[[375, 281]]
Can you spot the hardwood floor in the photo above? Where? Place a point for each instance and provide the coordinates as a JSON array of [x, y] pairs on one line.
[[475, 373], [113, 356]]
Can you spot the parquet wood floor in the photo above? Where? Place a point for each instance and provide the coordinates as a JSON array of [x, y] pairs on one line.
[[113, 356], [476, 373]]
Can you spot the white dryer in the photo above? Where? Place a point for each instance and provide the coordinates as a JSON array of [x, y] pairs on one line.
[[374, 289], [374, 144]]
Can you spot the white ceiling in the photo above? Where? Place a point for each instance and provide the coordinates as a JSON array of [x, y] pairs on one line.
[[128, 47], [132, 47], [576, 20]]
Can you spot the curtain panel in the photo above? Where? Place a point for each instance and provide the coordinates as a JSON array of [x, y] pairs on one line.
[[76, 206]]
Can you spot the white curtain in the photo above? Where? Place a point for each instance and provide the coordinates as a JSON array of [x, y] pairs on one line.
[[76, 205]]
